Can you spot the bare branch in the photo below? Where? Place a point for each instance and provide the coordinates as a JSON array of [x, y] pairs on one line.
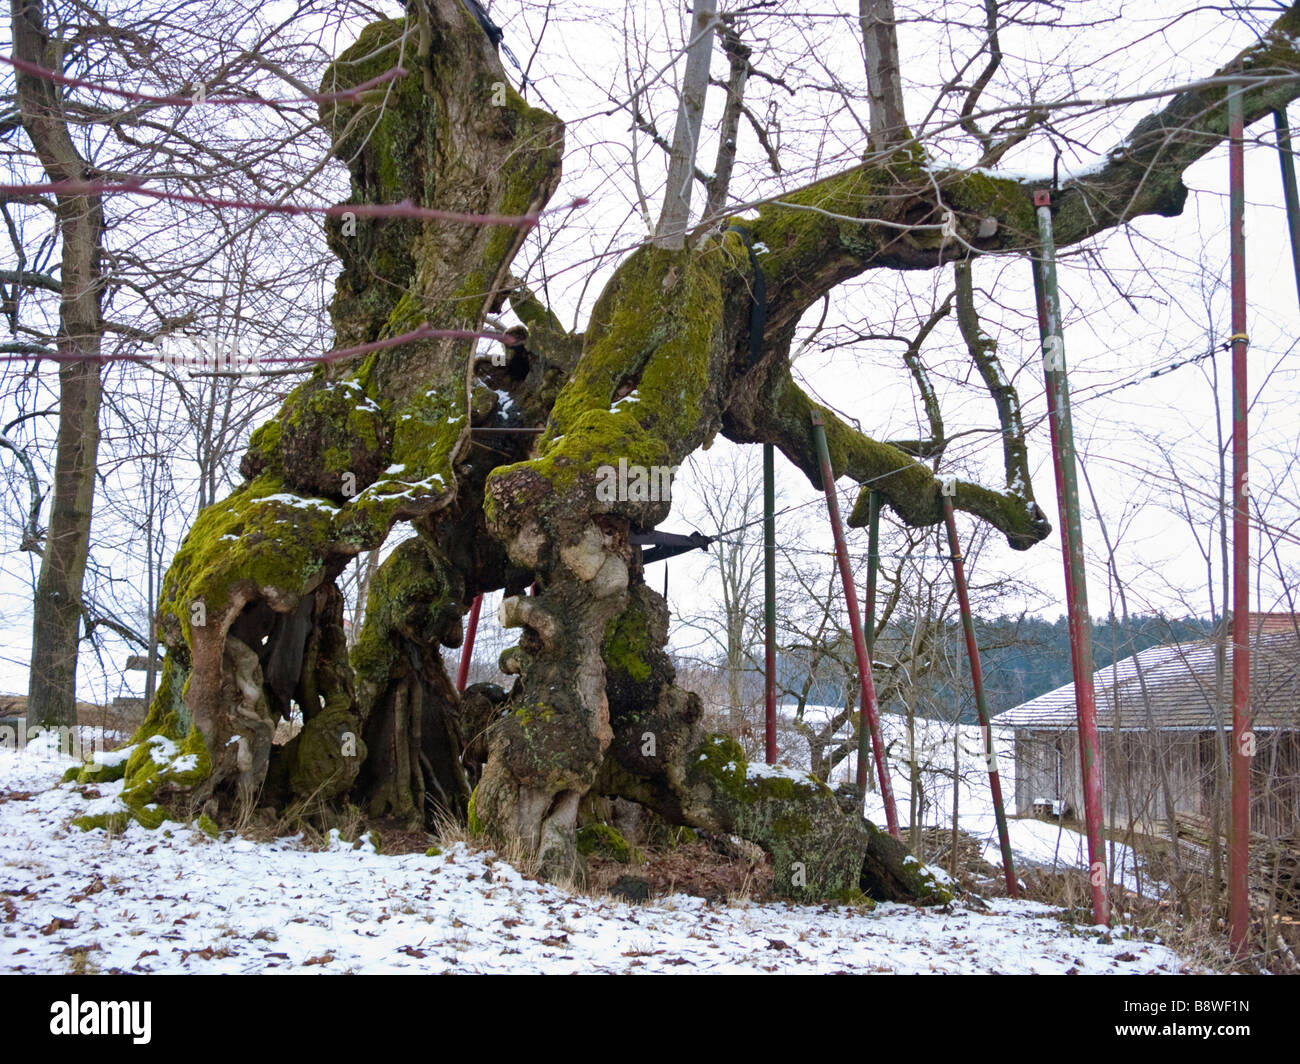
[[738, 54], [31, 530], [983, 352], [934, 446], [884, 81], [670, 233]]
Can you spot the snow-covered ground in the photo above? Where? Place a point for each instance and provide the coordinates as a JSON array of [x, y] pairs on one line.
[[174, 900], [1033, 842]]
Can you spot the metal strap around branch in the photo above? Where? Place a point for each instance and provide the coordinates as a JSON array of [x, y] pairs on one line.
[[667, 544]]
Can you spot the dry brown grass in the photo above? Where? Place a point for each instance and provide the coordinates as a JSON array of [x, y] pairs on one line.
[[516, 852], [1196, 928]]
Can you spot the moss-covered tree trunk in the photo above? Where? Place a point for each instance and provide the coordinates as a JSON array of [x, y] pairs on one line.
[[250, 612]]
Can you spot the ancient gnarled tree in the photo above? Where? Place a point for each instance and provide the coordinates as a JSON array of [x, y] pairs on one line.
[[251, 613]]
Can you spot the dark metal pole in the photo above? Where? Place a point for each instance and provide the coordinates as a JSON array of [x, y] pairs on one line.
[[1076, 583], [769, 603], [1243, 739], [467, 647], [981, 704], [869, 715], [869, 618], [1289, 188]]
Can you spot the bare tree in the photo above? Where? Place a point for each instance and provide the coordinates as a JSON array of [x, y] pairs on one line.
[[730, 495], [80, 218], [125, 283]]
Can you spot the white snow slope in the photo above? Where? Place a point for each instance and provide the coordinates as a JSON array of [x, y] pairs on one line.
[[176, 901]]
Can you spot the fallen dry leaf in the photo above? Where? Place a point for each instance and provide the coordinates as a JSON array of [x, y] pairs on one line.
[[58, 924], [96, 885]]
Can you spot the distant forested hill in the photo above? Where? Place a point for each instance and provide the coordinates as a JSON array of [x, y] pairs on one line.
[[1024, 658]]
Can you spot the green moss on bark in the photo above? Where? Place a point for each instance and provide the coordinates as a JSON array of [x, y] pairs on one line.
[[166, 755], [416, 594], [601, 840], [328, 753], [640, 388], [331, 429], [382, 137], [258, 536], [626, 647], [816, 849], [472, 823]]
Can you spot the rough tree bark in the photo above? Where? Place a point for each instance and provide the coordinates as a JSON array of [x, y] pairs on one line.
[[675, 217], [57, 608], [663, 367], [884, 80]]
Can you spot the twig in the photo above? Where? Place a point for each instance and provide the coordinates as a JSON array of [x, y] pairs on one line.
[[404, 209], [197, 99]]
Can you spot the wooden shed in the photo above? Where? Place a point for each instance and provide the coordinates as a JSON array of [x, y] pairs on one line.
[[1164, 716]]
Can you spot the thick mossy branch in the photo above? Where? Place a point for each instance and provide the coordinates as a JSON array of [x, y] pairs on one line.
[[814, 241], [1143, 174], [646, 388], [908, 486]]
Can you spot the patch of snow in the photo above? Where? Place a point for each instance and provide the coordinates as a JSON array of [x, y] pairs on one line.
[[113, 758], [299, 501], [163, 751], [759, 770]]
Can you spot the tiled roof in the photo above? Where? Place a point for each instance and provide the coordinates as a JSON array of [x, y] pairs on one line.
[[1179, 683]]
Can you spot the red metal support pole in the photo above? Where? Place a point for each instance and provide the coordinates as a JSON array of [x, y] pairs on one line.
[[869, 713], [1243, 739], [869, 617], [769, 603], [981, 704], [467, 647], [1076, 583]]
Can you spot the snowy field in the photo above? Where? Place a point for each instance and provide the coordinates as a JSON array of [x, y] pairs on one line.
[[176, 901]]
